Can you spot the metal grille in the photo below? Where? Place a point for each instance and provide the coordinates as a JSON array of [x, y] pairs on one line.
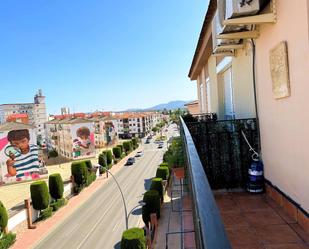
[[223, 151]]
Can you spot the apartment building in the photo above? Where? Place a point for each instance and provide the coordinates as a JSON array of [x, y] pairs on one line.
[[253, 62], [105, 131], [72, 138], [136, 124], [36, 114]]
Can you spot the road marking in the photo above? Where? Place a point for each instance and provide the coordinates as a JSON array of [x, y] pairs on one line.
[[95, 225], [116, 226]]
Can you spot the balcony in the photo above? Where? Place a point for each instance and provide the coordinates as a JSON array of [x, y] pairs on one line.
[[211, 209]]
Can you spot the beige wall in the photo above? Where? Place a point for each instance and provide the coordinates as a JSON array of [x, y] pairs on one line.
[[242, 79], [242, 83], [284, 122]]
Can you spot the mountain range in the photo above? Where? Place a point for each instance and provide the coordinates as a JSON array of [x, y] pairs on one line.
[[168, 106]]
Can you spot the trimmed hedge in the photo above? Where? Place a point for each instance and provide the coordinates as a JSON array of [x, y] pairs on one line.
[[55, 185], [163, 164], [102, 160], [152, 205], [39, 195], [156, 184], [163, 172], [90, 178], [3, 217], [102, 170], [46, 213], [127, 146], [7, 240], [79, 171], [131, 145], [117, 152], [133, 238], [89, 165], [58, 204], [121, 147], [135, 142], [109, 157]]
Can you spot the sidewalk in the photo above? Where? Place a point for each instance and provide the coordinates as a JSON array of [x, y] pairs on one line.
[[28, 238], [175, 226]]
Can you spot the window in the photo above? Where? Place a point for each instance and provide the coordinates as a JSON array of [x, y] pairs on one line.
[[225, 92], [202, 96], [208, 95]]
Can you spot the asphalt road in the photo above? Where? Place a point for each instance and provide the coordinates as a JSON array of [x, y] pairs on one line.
[[100, 221]]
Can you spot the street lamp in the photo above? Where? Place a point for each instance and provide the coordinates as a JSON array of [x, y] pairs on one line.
[[123, 200]]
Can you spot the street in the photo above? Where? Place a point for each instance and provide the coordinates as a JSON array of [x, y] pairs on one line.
[[100, 221]]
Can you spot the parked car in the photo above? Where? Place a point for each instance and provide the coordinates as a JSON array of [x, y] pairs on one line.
[[160, 146], [147, 141], [130, 161], [139, 154]]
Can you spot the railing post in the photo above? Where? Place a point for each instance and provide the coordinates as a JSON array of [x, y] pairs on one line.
[[29, 214]]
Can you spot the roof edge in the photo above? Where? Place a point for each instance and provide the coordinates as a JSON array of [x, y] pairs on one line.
[[212, 6]]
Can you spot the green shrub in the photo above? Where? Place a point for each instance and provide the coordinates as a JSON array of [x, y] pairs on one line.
[[155, 129], [156, 184], [121, 147], [175, 154], [133, 238], [89, 165], [55, 185], [39, 195], [131, 145], [163, 164], [46, 213], [3, 218], [79, 171], [58, 204], [117, 152], [90, 178], [102, 160], [135, 142], [163, 172], [123, 155], [7, 240], [127, 146], [77, 189], [109, 157], [152, 205], [102, 170]]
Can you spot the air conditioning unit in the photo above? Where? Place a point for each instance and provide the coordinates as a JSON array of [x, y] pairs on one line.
[[219, 28], [237, 8], [227, 9]]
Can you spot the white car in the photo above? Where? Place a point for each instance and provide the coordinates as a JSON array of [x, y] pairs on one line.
[[139, 154]]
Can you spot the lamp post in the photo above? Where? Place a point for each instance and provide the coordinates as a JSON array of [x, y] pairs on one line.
[[126, 214]]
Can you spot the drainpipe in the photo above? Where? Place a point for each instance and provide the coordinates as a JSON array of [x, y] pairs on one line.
[[255, 95]]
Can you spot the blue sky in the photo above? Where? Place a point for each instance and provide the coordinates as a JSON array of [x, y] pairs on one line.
[[97, 54]]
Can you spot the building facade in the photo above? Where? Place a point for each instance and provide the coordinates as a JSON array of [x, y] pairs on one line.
[[193, 107], [36, 114], [261, 72], [136, 124]]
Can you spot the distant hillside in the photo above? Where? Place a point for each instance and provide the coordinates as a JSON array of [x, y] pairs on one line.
[[168, 106]]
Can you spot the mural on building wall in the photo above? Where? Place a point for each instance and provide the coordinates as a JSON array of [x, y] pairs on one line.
[[19, 157], [83, 140], [279, 68]]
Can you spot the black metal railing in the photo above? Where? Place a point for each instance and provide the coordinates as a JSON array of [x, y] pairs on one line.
[[209, 116], [208, 226], [223, 150]]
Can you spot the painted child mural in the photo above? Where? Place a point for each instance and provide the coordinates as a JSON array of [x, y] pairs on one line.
[[82, 144], [24, 162]]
